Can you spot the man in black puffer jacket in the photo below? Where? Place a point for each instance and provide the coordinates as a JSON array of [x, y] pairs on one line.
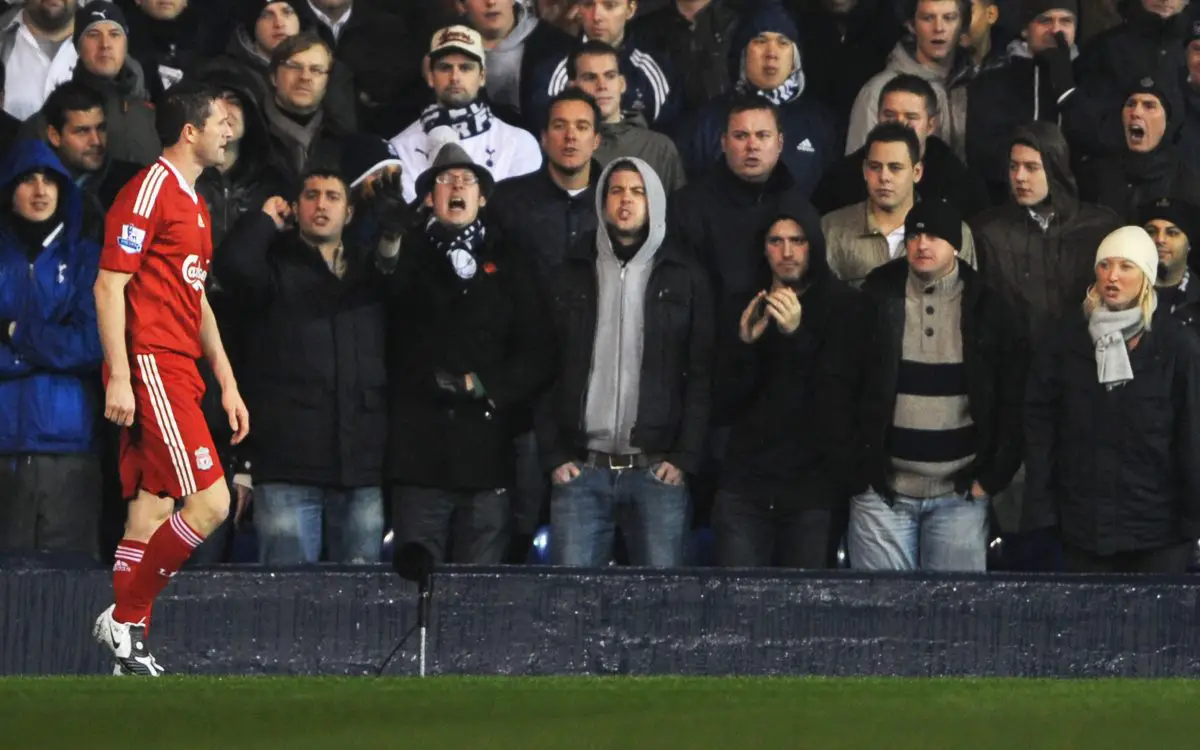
[[796, 373]]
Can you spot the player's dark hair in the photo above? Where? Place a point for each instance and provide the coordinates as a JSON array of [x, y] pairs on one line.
[[185, 103], [322, 173], [590, 47], [294, 45], [573, 95], [894, 132], [907, 83], [751, 103], [71, 96]]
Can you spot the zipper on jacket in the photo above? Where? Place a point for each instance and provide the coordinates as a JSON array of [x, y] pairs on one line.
[[620, 348]]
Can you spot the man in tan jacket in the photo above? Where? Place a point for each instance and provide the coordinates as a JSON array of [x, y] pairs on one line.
[[866, 235]]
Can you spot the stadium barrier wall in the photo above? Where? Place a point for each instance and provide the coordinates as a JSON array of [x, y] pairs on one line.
[[545, 621]]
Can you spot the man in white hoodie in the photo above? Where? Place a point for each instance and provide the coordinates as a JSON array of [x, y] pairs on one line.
[[456, 70]]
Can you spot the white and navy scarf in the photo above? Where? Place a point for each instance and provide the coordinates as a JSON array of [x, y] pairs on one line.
[[469, 121], [787, 91], [459, 246]]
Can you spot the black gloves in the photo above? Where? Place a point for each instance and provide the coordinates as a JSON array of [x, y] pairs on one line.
[[1057, 63], [452, 387], [393, 213]]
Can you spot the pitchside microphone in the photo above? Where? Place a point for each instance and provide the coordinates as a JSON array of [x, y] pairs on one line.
[[414, 562]]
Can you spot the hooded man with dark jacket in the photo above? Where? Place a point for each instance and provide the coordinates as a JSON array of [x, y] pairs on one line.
[[1038, 249], [50, 486], [627, 417], [1148, 166], [469, 351], [771, 69], [796, 375]]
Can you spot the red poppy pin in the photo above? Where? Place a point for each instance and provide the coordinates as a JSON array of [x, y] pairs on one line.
[[489, 267]]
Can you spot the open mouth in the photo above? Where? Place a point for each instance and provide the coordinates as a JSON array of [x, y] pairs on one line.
[[1112, 290], [457, 204], [1137, 132]]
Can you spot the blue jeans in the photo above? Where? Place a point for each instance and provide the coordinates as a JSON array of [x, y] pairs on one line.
[[292, 521], [585, 512], [939, 533]]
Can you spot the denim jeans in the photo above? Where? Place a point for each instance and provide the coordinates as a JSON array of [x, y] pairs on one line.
[[751, 532], [293, 520], [585, 513], [938, 533], [462, 526]]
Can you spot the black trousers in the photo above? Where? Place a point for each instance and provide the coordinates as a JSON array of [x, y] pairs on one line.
[[50, 503], [751, 532], [1173, 559], [461, 526]]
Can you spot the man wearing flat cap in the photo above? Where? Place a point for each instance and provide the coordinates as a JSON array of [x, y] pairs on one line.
[[468, 335], [1173, 224], [941, 415]]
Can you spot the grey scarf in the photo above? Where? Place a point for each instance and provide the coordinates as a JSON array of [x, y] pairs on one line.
[[1110, 332], [297, 138]]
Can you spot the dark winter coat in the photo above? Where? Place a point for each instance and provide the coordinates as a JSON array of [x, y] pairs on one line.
[[793, 439], [1127, 180], [1184, 302], [172, 49], [1115, 470], [493, 325], [943, 176], [996, 356], [1043, 274], [677, 359], [314, 375], [100, 190]]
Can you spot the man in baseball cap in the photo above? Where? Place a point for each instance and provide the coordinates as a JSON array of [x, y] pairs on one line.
[[455, 70]]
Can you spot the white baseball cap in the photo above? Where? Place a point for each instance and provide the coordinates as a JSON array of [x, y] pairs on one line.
[[458, 39]]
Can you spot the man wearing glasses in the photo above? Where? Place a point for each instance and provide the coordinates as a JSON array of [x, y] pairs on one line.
[[471, 352], [456, 71], [303, 136]]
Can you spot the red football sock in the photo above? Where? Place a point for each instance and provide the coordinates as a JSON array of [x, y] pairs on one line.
[[167, 551], [128, 557]]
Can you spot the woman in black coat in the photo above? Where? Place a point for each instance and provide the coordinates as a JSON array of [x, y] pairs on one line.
[[1112, 423]]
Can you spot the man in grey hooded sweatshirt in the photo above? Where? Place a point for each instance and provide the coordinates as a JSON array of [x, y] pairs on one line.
[[628, 414]]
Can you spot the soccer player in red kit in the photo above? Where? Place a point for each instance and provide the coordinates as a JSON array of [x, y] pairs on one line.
[[155, 322]]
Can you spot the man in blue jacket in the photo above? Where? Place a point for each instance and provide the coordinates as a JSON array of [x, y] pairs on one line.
[[49, 359]]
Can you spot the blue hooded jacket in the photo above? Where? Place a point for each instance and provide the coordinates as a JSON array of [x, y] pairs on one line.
[[811, 143], [49, 384]]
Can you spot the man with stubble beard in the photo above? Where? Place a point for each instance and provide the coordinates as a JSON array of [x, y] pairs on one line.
[[40, 59]]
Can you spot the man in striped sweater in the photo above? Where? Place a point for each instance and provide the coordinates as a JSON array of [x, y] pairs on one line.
[[942, 422]]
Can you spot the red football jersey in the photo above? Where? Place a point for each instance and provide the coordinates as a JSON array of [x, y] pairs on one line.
[[158, 230]]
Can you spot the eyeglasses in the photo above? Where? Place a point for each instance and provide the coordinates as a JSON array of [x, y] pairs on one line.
[[316, 71], [445, 178]]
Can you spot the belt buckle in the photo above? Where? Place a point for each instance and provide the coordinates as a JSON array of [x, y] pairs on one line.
[[615, 467]]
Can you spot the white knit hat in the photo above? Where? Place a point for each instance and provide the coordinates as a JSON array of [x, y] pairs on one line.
[[1132, 244]]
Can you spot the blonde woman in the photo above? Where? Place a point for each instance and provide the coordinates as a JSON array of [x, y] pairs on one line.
[[1112, 423]]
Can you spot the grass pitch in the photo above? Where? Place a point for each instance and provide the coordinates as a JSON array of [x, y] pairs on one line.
[[184, 713]]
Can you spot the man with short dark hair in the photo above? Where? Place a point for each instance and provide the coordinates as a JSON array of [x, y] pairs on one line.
[[314, 328], [595, 68], [941, 416], [1172, 224], [627, 416], [36, 49], [910, 101], [867, 235]]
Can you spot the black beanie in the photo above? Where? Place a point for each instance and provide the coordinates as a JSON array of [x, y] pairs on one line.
[[1031, 9], [94, 13], [1180, 213], [252, 10], [936, 217], [1150, 86]]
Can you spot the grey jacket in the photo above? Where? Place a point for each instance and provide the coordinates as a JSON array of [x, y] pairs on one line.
[[632, 138], [615, 381]]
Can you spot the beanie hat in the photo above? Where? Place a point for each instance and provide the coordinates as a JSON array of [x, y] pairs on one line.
[[1149, 86], [1193, 33], [1180, 213], [252, 11], [1031, 9], [98, 12], [363, 155], [1134, 245], [936, 217]]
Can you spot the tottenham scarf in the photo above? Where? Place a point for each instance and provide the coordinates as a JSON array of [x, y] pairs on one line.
[[468, 122], [459, 245], [790, 89]]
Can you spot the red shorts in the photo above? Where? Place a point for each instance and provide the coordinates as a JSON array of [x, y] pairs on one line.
[[168, 451]]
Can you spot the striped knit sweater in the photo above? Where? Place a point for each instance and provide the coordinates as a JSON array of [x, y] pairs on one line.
[[932, 435]]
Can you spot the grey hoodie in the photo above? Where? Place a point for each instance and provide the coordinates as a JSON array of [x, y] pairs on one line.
[[504, 62], [615, 381]]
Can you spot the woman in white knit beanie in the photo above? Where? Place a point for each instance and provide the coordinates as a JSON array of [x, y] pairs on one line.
[[1112, 423]]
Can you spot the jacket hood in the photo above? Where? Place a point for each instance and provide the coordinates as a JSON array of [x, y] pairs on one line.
[[255, 146], [1048, 140], [802, 212], [771, 17], [524, 24], [903, 59], [656, 206], [28, 156]]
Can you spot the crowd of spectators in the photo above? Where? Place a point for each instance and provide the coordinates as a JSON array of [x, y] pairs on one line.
[[907, 274]]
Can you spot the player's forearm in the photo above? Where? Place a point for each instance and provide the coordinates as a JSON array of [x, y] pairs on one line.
[[214, 349], [110, 320]]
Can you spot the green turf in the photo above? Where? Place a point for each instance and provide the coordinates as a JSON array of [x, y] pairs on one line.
[[609, 714]]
